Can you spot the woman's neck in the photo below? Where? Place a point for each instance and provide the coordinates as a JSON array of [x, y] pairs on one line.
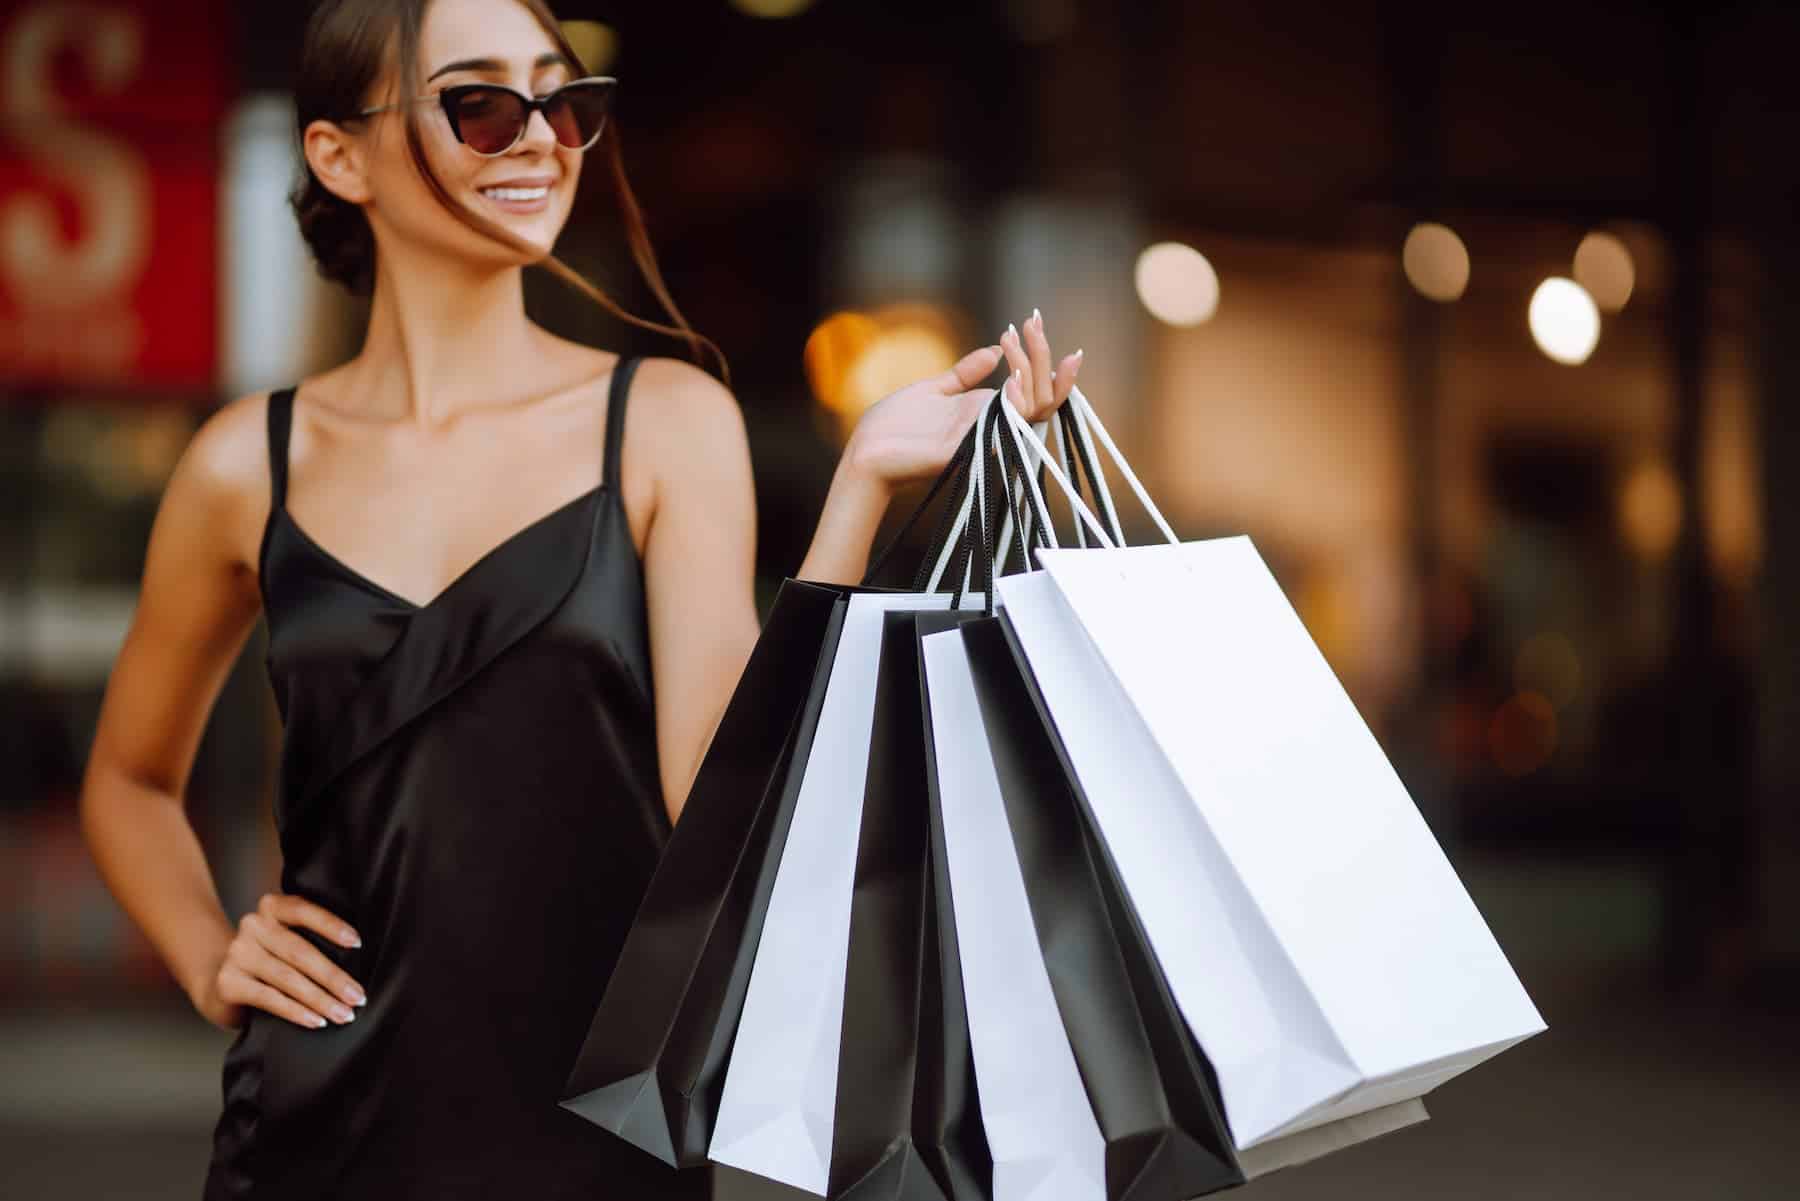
[[443, 342]]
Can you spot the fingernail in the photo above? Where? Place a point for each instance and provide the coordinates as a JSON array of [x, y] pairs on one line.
[[1079, 353], [1011, 329], [355, 996], [1037, 317], [350, 938], [318, 1022], [343, 1013]]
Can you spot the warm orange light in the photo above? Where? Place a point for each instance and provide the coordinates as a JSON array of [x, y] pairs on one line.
[[1603, 266], [595, 43], [772, 9], [854, 359], [831, 348], [1436, 261], [1650, 510]]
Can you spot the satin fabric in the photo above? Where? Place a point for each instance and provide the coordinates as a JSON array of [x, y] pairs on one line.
[[471, 783]]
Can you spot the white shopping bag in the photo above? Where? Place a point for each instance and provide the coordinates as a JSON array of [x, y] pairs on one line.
[[777, 1109], [1317, 941], [1040, 1126]]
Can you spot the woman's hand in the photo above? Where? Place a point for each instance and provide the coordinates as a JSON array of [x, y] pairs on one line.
[[912, 433], [268, 966]]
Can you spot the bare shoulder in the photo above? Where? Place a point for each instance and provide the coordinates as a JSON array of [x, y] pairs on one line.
[[221, 481], [685, 438], [674, 401]]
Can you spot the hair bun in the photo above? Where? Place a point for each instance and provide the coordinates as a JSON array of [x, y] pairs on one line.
[[338, 234]]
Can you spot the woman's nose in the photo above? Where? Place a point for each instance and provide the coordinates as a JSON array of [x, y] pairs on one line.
[[538, 135]]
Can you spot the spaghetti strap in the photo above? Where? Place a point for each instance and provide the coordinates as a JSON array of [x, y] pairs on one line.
[[281, 420], [615, 419]]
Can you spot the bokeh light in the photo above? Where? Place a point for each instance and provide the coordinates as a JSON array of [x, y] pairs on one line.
[[1177, 284], [1436, 261], [1564, 321], [1604, 267], [772, 9], [594, 42], [854, 359], [1650, 509]]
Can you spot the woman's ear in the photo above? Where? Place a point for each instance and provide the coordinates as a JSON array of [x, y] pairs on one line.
[[336, 159]]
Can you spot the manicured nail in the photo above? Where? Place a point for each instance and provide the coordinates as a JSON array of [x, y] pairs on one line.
[[1037, 317], [350, 938], [1011, 329], [1079, 353], [343, 1013], [318, 1022], [355, 995]]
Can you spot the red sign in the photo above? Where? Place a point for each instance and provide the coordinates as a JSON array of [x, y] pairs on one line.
[[110, 117]]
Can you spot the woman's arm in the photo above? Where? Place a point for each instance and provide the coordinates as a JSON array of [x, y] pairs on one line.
[[700, 550], [196, 605]]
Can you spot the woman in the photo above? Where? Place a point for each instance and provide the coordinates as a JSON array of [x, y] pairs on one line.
[[498, 682]]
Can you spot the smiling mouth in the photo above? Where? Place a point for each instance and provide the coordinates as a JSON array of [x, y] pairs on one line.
[[516, 195]]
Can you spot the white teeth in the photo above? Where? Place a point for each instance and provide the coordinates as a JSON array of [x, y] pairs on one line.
[[516, 193]]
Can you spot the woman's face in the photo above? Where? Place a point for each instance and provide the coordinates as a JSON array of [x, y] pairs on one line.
[[527, 190]]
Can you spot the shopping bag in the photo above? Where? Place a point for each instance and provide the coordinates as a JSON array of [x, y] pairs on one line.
[[904, 1125], [1152, 1094], [948, 1115], [1041, 1130], [776, 1111], [1317, 941], [652, 1064]]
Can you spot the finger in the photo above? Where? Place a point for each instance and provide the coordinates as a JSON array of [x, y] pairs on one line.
[[260, 962], [288, 946], [1066, 372], [1018, 360], [271, 1000], [970, 370], [1015, 391], [291, 910], [1037, 350]]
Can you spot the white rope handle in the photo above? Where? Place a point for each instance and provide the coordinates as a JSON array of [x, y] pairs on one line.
[[1042, 454], [1078, 414], [1086, 410], [1062, 457], [949, 552]]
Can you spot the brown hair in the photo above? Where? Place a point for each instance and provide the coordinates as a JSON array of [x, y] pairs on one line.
[[348, 43]]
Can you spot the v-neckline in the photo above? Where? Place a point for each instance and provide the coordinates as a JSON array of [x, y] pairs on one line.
[[415, 607]]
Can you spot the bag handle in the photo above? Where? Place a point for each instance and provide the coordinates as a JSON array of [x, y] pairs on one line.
[[1071, 432], [1087, 418]]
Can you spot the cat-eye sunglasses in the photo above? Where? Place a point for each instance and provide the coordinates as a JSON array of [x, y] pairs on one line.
[[491, 118]]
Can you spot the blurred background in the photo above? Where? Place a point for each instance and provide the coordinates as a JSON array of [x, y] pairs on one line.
[[1477, 318]]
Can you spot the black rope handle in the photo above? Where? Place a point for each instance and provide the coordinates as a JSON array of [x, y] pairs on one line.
[[1005, 489], [955, 470], [980, 572], [1028, 512], [1082, 464]]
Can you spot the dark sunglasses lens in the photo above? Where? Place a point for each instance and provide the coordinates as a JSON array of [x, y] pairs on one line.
[[488, 119], [578, 113]]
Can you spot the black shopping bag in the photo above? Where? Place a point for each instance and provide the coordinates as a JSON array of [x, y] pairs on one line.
[[654, 1059], [1152, 1091], [905, 1124]]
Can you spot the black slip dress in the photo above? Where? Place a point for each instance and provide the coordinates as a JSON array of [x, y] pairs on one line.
[[472, 784]]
